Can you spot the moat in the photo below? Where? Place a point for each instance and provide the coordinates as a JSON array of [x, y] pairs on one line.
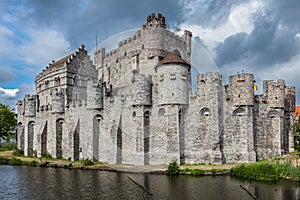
[[20, 182]]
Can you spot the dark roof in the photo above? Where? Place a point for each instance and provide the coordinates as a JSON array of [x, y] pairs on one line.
[[66, 58], [60, 61], [173, 58]]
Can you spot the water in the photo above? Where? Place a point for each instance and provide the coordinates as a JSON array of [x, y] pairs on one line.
[[50, 183]]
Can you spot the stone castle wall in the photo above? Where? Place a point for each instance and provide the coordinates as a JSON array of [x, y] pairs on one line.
[[131, 106]]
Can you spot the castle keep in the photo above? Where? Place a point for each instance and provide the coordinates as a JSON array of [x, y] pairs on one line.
[[134, 105]]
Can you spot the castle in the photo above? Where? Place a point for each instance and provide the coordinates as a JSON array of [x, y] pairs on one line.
[[134, 105]]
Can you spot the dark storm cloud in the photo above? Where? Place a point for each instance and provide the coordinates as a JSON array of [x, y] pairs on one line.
[[80, 21], [210, 13], [272, 41], [287, 11]]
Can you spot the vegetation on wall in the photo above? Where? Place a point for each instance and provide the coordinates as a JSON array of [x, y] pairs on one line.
[[296, 133]]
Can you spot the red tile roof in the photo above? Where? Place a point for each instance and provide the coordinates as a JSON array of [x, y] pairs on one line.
[[172, 58], [297, 110]]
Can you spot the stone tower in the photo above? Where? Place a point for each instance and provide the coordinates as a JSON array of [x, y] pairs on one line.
[[173, 85], [135, 105], [238, 135]]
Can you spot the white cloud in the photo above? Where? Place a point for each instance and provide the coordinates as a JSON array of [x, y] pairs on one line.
[[43, 46], [4, 31], [38, 47], [11, 97], [9, 92], [239, 20], [6, 41]]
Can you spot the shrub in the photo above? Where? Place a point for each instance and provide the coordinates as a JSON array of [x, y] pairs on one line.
[[15, 161], [6, 146], [173, 168], [4, 161], [87, 162], [18, 152], [32, 153], [46, 155], [32, 163]]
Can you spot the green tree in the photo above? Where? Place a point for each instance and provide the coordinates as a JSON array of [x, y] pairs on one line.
[[8, 121]]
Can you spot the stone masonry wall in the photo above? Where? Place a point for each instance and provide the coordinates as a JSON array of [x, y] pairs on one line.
[[128, 108]]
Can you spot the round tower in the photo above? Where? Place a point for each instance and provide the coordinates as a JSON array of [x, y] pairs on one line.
[[173, 81]]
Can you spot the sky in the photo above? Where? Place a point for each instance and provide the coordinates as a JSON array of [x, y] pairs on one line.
[[256, 36]]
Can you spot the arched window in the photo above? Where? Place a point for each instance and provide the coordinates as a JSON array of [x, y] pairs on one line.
[[98, 117], [147, 114], [239, 112], [31, 130], [273, 114], [76, 80], [57, 81], [89, 82], [59, 134], [205, 112], [96, 136], [161, 112]]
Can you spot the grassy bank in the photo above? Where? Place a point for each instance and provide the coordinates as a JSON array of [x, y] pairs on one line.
[[196, 169], [16, 158], [202, 172], [267, 171], [16, 161]]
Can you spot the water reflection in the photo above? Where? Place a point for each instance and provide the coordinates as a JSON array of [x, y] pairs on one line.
[[50, 183]]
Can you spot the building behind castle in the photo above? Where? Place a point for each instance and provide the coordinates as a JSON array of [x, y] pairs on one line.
[[135, 105]]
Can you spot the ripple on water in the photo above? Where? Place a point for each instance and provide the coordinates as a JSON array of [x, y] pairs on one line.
[[50, 183]]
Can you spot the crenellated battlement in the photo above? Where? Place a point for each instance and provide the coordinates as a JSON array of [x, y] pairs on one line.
[[55, 66], [58, 101], [269, 85], [136, 36], [143, 88], [290, 96], [150, 40], [208, 86], [30, 105], [29, 97], [274, 92], [241, 89], [155, 21], [209, 77]]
